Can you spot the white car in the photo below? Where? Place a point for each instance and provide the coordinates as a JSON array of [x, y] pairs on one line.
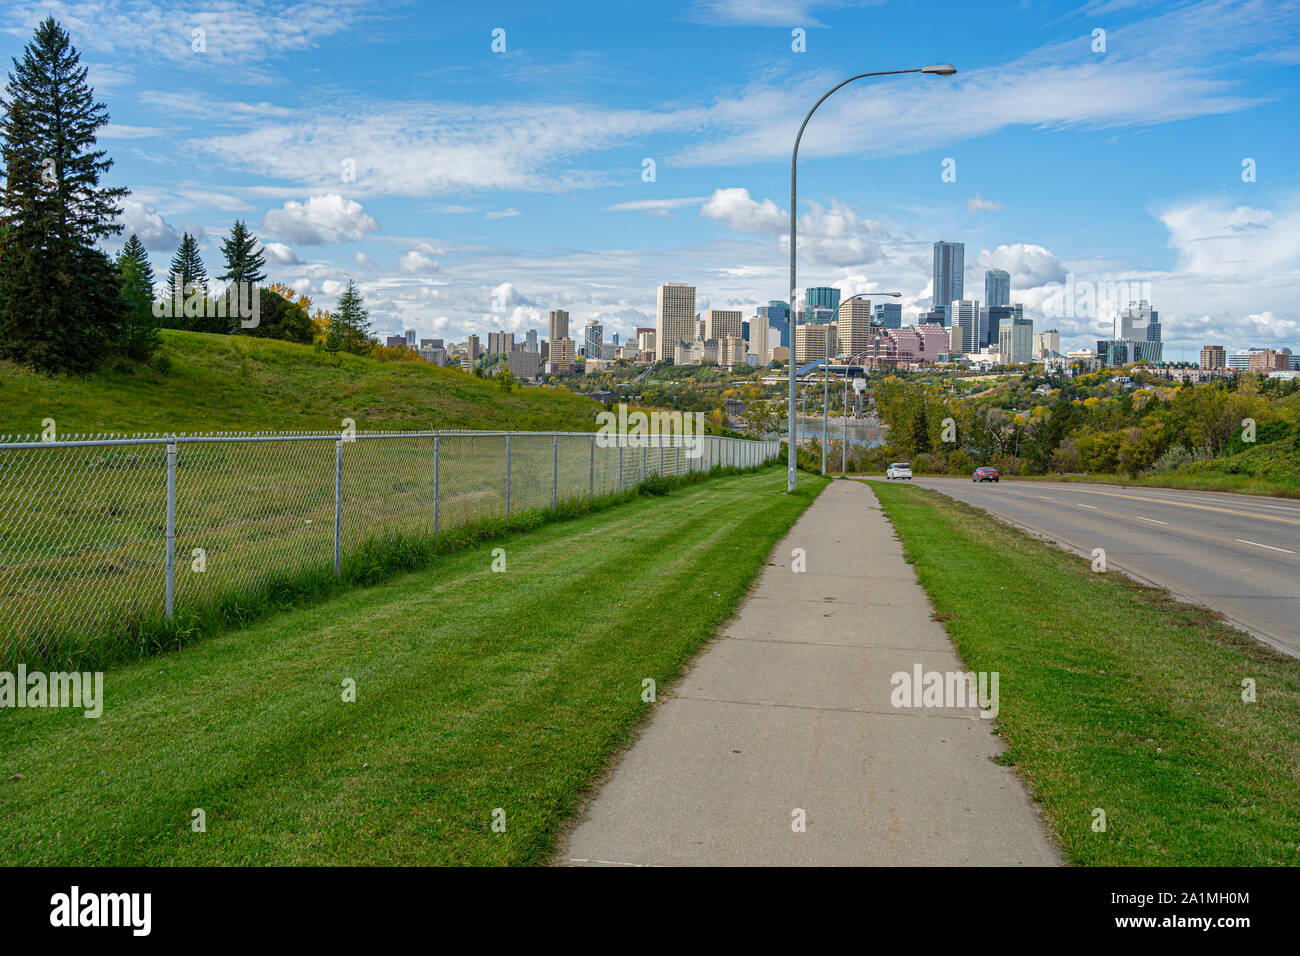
[[899, 469]]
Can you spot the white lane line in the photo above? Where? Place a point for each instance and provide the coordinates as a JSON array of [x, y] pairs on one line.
[[1045, 498], [1152, 520], [1089, 507], [1269, 546]]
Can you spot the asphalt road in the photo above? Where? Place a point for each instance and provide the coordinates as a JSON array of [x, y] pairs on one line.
[[1237, 554]]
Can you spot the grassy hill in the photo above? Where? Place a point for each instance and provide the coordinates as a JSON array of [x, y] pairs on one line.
[[236, 383]]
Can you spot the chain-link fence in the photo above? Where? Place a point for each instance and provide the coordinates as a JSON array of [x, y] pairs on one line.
[[96, 531]]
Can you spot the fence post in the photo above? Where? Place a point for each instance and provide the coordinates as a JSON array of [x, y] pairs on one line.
[[645, 459], [169, 595], [620, 462], [436, 440], [661, 455], [555, 476], [338, 508], [507, 476], [591, 479]]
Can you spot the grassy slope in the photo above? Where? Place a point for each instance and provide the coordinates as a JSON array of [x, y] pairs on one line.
[[1115, 696], [475, 690], [235, 383]]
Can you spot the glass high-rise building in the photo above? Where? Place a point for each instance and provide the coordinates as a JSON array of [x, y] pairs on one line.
[[949, 272], [821, 297], [777, 314], [889, 314], [997, 288]]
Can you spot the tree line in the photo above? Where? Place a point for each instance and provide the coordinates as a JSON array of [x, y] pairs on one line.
[[65, 305]]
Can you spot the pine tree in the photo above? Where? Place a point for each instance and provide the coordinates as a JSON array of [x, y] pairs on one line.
[[351, 322], [244, 259], [59, 309], [139, 335], [186, 270], [244, 265]]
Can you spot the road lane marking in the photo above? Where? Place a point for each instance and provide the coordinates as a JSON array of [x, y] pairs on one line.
[[1152, 520], [1045, 498], [1269, 546], [1188, 504], [1082, 505]]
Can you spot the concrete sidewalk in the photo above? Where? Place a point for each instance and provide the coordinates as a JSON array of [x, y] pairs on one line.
[[790, 710]]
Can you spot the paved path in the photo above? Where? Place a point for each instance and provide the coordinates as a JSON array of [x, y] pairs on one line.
[[1237, 554], [790, 710]]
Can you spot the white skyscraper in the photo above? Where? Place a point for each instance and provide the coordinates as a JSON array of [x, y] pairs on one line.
[[966, 314], [674, 317]]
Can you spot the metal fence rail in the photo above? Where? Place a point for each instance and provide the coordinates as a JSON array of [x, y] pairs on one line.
[[97, 530]]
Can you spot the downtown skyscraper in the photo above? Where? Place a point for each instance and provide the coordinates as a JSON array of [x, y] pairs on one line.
[[997, 288], [949, 272], [674, 317]]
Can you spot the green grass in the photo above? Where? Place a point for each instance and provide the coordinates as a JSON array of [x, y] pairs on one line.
[[1113, 695], [238, 383], [475, 691]]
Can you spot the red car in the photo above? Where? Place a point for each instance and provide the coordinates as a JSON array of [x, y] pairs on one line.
[[985, 474]]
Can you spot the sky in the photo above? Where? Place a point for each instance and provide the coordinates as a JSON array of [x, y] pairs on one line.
[[472, 166]]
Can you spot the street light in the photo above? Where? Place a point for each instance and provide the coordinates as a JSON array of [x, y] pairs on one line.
[[826, 380], [944, 69]]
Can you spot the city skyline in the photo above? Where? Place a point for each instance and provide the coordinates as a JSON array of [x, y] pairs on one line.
[[474, 190]]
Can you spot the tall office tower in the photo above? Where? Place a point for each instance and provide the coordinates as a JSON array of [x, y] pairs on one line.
[[744, 330], [1016, 341], [472, 348], [593, 336], [966, 314], [410, 338], [889, 315], [758, 335], [777, 314], [719, 323], [821, 297], [645, 339], [561, 357], [997, 288], [559, 325], [854, 326], [501, 343], [1213, 356], [818, 314], [674, 317], [813, 342], [994, 317], [1138, 323], [949, 272], [1047, 343], [530, 340], [699, 327]]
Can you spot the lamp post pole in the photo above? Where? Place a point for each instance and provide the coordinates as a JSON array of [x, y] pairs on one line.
[[793, 429], [826, 377]]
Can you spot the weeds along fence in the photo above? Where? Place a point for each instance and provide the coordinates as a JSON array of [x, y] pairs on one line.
[[98, 530]]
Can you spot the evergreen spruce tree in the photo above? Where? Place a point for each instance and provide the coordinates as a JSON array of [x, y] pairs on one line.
[[139, 337], [245, 262], [186, 270], [351, 322], [59, 307]]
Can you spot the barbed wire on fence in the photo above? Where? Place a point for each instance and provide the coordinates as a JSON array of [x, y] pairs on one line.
[[103, 528]]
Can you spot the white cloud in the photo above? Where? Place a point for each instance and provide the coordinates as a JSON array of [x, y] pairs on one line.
[[506, 296], [321, 220], [280, 254], [418, 261], [1029, 265], [502, 214], [147, 223], [734, 209], [976, 204]]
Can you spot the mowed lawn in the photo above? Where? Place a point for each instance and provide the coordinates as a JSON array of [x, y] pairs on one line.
[[1115, 697], [476, 691]]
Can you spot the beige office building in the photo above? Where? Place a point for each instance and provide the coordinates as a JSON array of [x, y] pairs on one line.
[[561, 357], [559, 325], [1047, 343], [813, 341], [1214, 356], [731, 351], [674, 317], [854, 326], [719, 323]]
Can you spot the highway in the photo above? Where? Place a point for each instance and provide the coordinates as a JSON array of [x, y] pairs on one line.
[[1236, 554]]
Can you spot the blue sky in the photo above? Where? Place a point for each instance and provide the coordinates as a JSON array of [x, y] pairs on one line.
[[492, 186]]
